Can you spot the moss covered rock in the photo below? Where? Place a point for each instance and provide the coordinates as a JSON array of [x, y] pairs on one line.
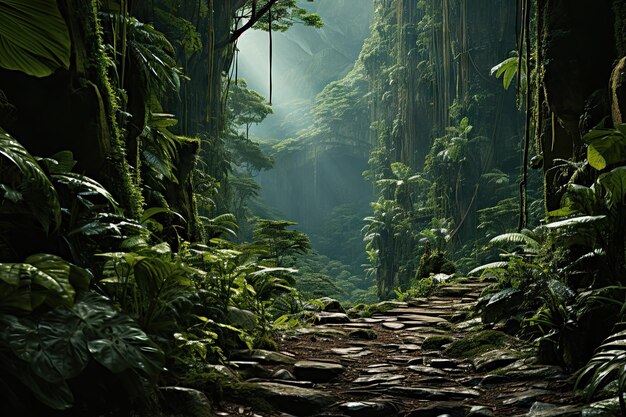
[[477, 343], [436, 342]]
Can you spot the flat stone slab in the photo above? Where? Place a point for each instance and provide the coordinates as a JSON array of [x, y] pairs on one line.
[[347, 351], [456, 290], [317, 371], [525, 398], [263, 356], [378, 378], [351, 352], [422, 317], [426, 370], [328, 318], [413, 311], [383, 369], [321, 332], [465, 325], [436, 394], [392, 325], [494, 359], [350, 325], [382, 319], [540, 409], [368, 320], [442, 363], [294, 400], [369, 408]]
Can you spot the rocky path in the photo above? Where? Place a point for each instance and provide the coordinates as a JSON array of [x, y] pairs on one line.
[[420, 358]]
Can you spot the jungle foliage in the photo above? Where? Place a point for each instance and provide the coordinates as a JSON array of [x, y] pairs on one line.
[[104, 295], [130, 252]]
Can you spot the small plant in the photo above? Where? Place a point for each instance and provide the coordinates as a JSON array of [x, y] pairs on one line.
[[422, 288]]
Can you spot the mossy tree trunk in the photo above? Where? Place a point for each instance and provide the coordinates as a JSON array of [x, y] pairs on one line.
[[75, 109]]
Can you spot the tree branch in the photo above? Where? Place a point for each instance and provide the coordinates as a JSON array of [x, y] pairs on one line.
[[251, 22]]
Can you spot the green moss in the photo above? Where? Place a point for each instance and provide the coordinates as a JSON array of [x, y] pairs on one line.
[[476, 344], [267, 343], [436, 342], [119, 177], [220, 387]]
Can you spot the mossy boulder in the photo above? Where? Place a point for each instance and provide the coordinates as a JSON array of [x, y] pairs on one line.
[[435, 263], [477, 343], [363, 334], [502, 305], [186, 401], [436, 342], [330, 305]]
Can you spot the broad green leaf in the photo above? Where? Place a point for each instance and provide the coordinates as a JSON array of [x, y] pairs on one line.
[[34, 38], [63, 352], [152, 211], [34, 287], [125, 346], [508, 68], [614, 183], [37, 191], [82, 184], [55, 395], [605, 147], [55, 277]]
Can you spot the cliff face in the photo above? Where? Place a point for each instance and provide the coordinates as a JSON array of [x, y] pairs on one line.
[[573, 78]]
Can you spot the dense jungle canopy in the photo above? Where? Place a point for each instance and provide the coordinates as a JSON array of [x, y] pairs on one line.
[[194, 192]]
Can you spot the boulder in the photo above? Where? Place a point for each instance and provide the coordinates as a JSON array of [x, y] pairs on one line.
[[331, 305], [502, 304], [363, 334], [369, 408], [294, 400], [436, 342], [262, 356], [317, 371], [494, 359], [329, 318], [284, 375], [186, 401], [480, 411], [244, 319]]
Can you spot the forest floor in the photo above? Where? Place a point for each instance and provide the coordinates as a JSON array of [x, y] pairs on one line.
[[420, 358]]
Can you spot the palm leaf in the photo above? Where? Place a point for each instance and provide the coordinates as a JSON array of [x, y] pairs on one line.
[[574, 221], [489, 266], [518, 238], [606, 365]]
